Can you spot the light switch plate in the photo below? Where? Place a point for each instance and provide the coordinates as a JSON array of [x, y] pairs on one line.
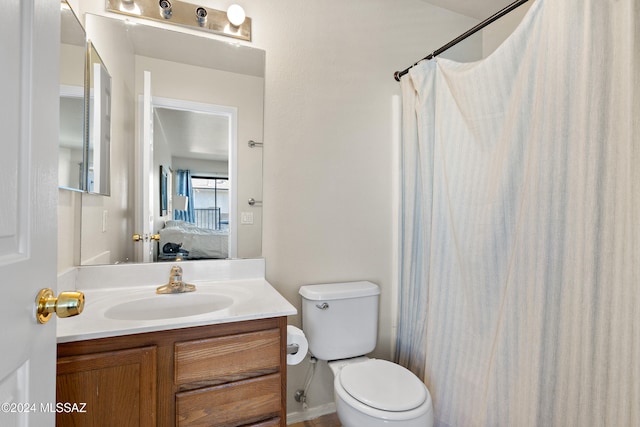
[[246, 217]]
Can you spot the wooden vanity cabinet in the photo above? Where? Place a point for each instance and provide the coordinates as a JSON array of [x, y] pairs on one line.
[[230, 374]]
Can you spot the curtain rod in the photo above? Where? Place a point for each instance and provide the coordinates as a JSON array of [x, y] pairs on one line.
[[398, 74]]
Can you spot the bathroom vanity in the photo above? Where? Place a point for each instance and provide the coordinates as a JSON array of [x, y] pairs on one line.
[[226, 367], [226, 374]]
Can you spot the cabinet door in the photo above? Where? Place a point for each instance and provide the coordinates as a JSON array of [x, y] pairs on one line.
[[118, 386]]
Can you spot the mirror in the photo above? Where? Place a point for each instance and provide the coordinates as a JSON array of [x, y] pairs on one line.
[[72, 101], [186, 70], [98, 153]]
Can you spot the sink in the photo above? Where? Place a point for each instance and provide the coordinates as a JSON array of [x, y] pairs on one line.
[[169, 306]]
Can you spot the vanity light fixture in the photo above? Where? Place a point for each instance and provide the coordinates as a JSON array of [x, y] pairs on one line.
[[232, 23]]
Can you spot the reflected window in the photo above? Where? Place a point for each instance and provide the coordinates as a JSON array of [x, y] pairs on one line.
[[211, 202]]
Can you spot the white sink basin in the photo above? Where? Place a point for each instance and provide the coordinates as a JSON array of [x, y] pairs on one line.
[[169, 306], [128, 309]]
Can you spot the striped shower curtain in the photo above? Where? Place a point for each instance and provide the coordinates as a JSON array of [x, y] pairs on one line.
[[520, 263]]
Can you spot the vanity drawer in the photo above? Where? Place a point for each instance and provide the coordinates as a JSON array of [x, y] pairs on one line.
[[231, 404], [274, 422], [227, 358]]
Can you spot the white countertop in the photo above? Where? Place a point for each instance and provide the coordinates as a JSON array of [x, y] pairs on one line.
[[253, 298]]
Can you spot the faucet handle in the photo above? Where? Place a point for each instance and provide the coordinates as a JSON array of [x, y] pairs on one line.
[[175, 275], [175, 285]]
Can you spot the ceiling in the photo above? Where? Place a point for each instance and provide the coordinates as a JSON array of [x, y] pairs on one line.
[[478, 9], [192, 134]]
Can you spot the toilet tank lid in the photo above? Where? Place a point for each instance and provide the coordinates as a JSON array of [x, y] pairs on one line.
[[333, 291]]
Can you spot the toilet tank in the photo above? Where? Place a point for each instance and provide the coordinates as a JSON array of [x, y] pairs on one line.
[[340, 320]]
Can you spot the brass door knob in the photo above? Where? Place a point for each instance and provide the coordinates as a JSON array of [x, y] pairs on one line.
[[67, 304], [138, 237]]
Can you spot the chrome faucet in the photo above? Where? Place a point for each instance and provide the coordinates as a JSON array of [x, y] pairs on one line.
[[175, 285]]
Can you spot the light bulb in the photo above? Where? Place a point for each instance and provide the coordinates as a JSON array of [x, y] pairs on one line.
[[236, 15]]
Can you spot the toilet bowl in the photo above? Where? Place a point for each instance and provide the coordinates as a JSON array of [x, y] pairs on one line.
[[340, 322], [373, 392]]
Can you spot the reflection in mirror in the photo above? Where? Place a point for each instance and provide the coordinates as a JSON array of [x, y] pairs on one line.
[[72, 101], [227, 75], [196, 143], [99, 138]]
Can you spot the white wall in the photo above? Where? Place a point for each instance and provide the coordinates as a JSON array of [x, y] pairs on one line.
[[329, 144], [497, 32], [72, 65], [69, 203]]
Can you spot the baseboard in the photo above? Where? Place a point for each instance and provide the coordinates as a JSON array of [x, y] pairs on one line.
[[311, 413]]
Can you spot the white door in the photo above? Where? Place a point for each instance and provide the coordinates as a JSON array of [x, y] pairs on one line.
[[29, 91], [144, 179]]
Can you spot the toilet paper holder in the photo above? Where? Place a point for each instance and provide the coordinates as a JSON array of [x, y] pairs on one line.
[[292, 348], [297, 345]]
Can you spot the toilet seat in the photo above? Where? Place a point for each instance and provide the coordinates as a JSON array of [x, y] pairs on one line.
[[383, 385]]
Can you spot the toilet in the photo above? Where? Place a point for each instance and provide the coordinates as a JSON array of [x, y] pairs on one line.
[[340, 321]]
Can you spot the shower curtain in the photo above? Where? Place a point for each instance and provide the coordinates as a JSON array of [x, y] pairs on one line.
[[520, 258]]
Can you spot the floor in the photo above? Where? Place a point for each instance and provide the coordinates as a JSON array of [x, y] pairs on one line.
[[330, 420]]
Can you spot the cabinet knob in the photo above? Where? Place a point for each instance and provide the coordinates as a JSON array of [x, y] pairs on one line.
[[67, 304]]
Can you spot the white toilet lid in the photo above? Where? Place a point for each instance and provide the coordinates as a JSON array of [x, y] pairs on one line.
[[383, 385]]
